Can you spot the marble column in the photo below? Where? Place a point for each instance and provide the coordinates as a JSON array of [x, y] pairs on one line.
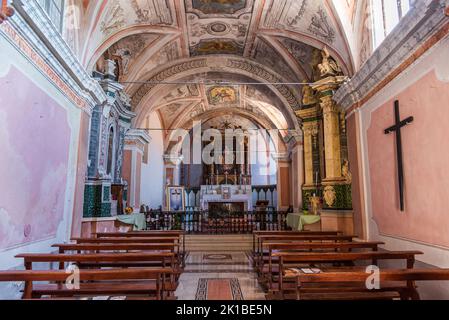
[[135, 142]]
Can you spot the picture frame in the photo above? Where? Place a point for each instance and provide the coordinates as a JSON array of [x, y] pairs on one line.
[[176, 200]]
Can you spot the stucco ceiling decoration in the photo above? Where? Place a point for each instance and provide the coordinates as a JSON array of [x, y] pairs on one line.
[[265, 41], [218, 26]]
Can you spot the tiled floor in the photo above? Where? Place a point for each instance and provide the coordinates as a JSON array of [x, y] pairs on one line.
[[221, 265]]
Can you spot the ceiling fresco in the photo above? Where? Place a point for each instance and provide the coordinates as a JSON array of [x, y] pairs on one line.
[[259, 41]]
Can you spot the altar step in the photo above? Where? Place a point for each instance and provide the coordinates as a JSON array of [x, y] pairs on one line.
[[207, 243]]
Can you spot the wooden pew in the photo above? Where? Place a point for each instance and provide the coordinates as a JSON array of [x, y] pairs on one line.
[[122, 282], [329, 283], [128, 240], [145, 234], [110, 260], [104, 260], [102, 247], [294, 238], [281, 233], [134, 240], [292, 259], [266, 264]]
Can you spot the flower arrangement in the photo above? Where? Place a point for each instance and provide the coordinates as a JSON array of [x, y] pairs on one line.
[[129, 210]]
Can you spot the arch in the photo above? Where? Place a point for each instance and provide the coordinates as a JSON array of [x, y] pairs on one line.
[[148, 94]]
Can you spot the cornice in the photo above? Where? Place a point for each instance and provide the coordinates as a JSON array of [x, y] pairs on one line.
[[425, 18], [32, 25]]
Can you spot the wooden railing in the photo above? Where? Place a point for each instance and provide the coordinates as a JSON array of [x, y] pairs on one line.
[[225, 223]]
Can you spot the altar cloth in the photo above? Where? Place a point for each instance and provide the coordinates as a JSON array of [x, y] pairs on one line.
[[137, 220], [297, 221]]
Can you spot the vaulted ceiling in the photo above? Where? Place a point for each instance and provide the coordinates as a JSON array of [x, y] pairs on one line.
[[238, 41]]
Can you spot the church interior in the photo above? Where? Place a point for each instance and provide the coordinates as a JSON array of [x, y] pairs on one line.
[[224, 149]]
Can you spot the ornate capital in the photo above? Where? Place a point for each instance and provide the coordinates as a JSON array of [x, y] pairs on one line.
[[310, 129], [328, 105]]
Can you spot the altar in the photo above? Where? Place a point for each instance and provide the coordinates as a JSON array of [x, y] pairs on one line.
[[241, 195]]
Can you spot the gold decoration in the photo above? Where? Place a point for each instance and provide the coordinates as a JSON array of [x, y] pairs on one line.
[[328, 66], [346, 173], [315, 204], [308, 95], [329, 195]]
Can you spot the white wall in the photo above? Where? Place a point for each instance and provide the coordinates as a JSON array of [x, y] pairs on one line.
[[152, 182]]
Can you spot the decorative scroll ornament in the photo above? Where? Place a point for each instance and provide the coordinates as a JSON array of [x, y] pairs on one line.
[[328, 66], [330, 196], [5, 11]]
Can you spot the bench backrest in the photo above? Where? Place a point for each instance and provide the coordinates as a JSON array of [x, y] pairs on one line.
[[128, 240], [98, 247], [30, 276]]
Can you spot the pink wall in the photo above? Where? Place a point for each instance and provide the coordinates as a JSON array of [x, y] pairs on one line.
[[34, 140], [426, 158]]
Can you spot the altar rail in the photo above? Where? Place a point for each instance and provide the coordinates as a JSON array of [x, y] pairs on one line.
[[208, 223]]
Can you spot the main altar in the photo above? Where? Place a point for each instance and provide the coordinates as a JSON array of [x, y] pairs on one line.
[[228, 197]]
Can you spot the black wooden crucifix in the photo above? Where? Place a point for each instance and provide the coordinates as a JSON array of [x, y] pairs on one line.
[[397, 128]]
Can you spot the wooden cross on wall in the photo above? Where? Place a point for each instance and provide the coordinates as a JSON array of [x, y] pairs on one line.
[[397, 128]]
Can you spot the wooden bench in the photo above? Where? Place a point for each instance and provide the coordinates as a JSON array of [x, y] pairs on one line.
[[104, 260], [109, 260], [122, 282], [355, 284], [289, 260], [294, 239], [281, 233], [135, 240], [146, 234], [266, 263]]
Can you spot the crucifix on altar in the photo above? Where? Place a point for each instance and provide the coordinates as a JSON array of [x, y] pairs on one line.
[[397, 129]]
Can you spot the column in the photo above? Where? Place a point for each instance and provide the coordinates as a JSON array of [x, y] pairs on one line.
[[296, 148], [311, 125], [336, 189], [135, 142], [283, 162]]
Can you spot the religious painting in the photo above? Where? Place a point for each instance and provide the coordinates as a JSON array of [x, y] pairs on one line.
[[176, 199], [216, 46], [222, 95], [219, 6]]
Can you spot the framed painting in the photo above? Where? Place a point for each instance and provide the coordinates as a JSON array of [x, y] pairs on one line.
[[175, 199]]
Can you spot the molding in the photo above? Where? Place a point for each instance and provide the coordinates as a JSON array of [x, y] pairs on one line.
[[34, 35], [422, 22]]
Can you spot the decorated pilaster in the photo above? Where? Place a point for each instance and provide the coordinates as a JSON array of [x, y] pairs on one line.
[[336, 188], [135, 142], [109, 123], [296, 149], [311, 118]]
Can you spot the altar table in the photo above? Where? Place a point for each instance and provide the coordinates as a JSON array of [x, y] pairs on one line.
[[297, 221], [137, 220]]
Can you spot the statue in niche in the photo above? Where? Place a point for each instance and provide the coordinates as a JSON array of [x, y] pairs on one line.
[[328, 66], [308, 96]]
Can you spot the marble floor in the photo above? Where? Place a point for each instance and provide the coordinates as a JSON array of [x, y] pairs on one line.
[[219, 265]]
